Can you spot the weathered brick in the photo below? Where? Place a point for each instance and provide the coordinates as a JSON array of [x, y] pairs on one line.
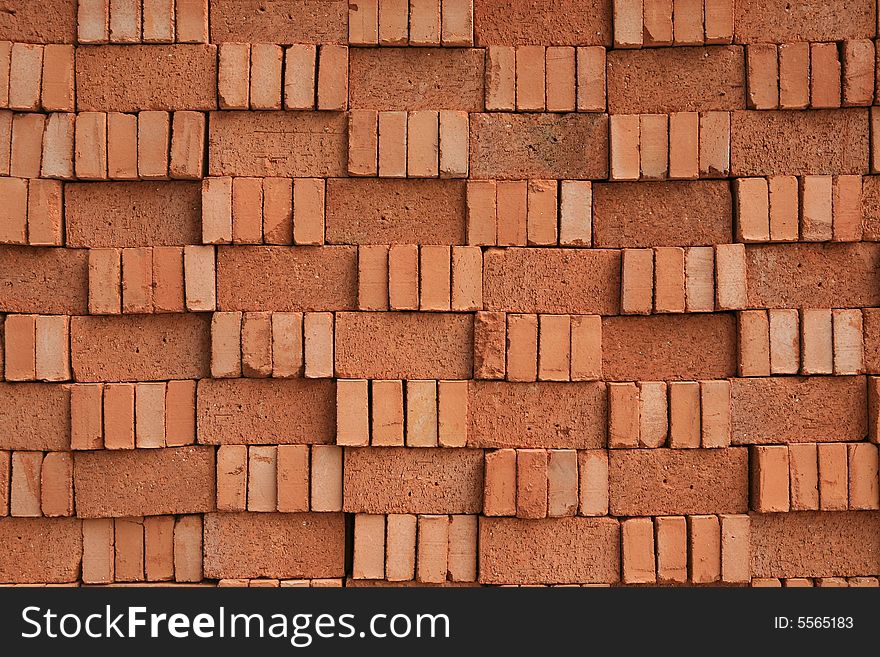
[[40, 550], [280, 21], [51, 21], [34, 416], [779, 21]]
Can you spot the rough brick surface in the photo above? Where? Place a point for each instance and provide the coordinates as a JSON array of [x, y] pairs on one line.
[[43, 280], [35, 416], [548, 22], [40, 549]]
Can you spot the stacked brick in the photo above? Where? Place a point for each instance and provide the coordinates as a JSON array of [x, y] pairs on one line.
[[439, 292]]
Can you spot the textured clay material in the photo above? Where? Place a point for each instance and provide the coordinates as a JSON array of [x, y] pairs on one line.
[[40, 549], [280, 21], [34, 417], [551, 22], [43, 280]]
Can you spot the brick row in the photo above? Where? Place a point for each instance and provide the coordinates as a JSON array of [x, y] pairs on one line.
[[411, 23], [35, 77], [650, 23], [36, 348], [142, 21], [36, 484], [32, 212]]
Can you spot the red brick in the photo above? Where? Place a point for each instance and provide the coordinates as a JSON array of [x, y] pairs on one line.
[[427, 481], [97, 551], [752, 201], [20, 346], [154, 136], [432, 549], [797, 143], [575, 213], [841, 544], [51, 22], [623, 415], [715, 403], [333, 75], [512, 212], [778, 21], [638, 565], [149, 413], [392, 144], [858, 72], [490, 336], [52, 348], [368, 560], [864, 486], [403, 277], [714, 144], [140, 348], [24, 497], [59, 287], [801, 409], [187, 549], [457, 23], [421, 414], [423, 144], [232, 472], [625, 147], [119, 415], [522, 347], [514, 550], [500, 142], [704, 540], [467, 278], [593, 482], [286, 144], [816, 208], [352, 412], [300, 66], [848, 342], [824, 76], [500, 78], [684, 414], [816, 341], [287, 21], [833, 480], [326, 478], [462, 548], [770, 478], [26, 64], [654, 146], [318, 345], [653, 414], [40, 550], [56, 484], [542, 211], [847, 208], [149, 482], [265, 76], [137, 280], [256, 411], [753, 328], [233, 88], [531, 483], [303, 545], [454, 144], [637, 281], [804, 476], [262, 494], [688, 347], [44, 212], [719, 20], [784, 202], [530, 79], [554, 356], [499, 494], [187, 145], [657, 17], [672, 549], [91, 150], [292, 478], [665, 481], [735, 555]]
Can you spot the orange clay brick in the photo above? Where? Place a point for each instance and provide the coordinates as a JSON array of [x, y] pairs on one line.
[[277, 210], [817, 347], [403, 277], [554, 347], [864, 484], [467, 278], [847, 335], [490, 337], [858, 72], [657, 17], [352, 413], [52, 347], [154, 136], [875, 138], [575, 213], [637, 275], [149, 402], [293, 478], [457, 22], [392, 144], [824, 76], [628, 23], [247, 206], [93, 18], [816, 208], [192, 21], [424, 23], [188, 536], [716, 413], [308, 210], [714, 144], [262, 486], [386, 415], [369, 546], [784, 208], [14, 213], [735, 556], [333, 77], [452, 413], [586, 347], [373, 277], [462, 549], [125, 21], [434, 277], [199, 278], [454, 144], [300, 66], [560, 82], [27, 136], [58, 78], [217, 210], [590, 79], [98, 550], [531, 483], [86, 430], [226, 345], [393, 22], [593, 482], [541, 219], [56, 484], [122, 146], [233, 82], [20, 347], [804, 474], [704, 539], [763, 76], [752, 209], [638, 551], [719, 22], [119, 416], [499, 494], [500, 78], [363, 142], [187, 145], [794, 75], [24, 496], [730, 277], [770, 478], [423, 144], [669, 285], [672, 549], [137, 281], [625, 163], [684, 145], [433, 549], [421, 414], [623, 415], [363, 22], [256, 344], [26, 64], [753, 328], [512, 210], [287, 344], [833, 479], [158, 21], [91, 145], [265, 76], [684, 414], [687, 18], [530, 79], [653, 414], [522, 347], [654, 146], [400, 548], [847, 208], [232, 475]]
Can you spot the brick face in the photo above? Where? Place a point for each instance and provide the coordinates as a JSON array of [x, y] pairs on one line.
[[35, 416], [548, 22]]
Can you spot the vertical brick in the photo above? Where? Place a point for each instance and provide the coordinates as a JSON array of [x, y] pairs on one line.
[[816, 208], [467, 278], [326, 478], [232, 476], [56, 484], [14, 211], [58, 78], [187, 145], [52, 347], [846, 206], [623, 415], [137, 280], [247, 210], [423, 144], [233, 76], [833, 477], [512, 209], [817, 345], [715, 413], [421, 414], [287, 345], [373, 277], [560, 78], [688, 22], [593, 482], [168, 294], [864, 485], [363, 22], [433, 549], [226, 344], [159, 544], [154, 137], [803, 461], [452, 413], [158, 21], [256, 344], [125, 21], [704, 537], [769, 478], [753, 328], [403, 277], [575, 213], [369, 546], [45, 208], [392, 144], [25, 73], [217, 210], [735, 549], [129, 544], [387, 413], [454, 144], [457, 25], [293, 478], [490, 337], [199, 277], [628, 23], [752, 202], [858, 72], [653, 414], [590, 79], [462, 550], [654, 146], [730, 277], [875, 139], [718, 16], [122, 146], [24, 497], [149, 412], [119, 416], [784, 208], [424, 22], [265, 76], [684, 145], [86, 431], [499, 494], [554, 353], [562, 483], [522, 347], [714, 144], [794, 75], [638, 551], [530, 79], [352, 413], [531, 483], [332, 77], [625, 159], [393, 22], [672, 549], [400, 556], [91, 146], [657, 16], [98, 548], [824, 76], [684, 414], [500, 78], [669, 286], [26, 150], [637, 282], [847, 333], [277, 210], [262, 487], [541, 219], [19, 334], [192, 21], [434, 277], [762, 63], [308, 211], [93, 21], [363, 142], [586, 347], [300, 81]]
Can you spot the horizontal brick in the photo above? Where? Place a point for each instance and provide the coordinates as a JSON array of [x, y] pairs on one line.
[[799, 143], [643, 214], [810, 544], [580, 281], [514, 146], [34, 416], [130, 214], [813, 275], [48, 21], [781, 21], [664, 347], [659, 482], [412, 480], [549, 22], [283, 278], [43, 280], [811, 409], [144, 482], [140, 347], [553, 415], [288, 545], [286, 144], [131, 78], [383, 211], [280, 21], [665, 80], [416, 78], [426, 345], [40, 550], [558, 551], [262, 411]]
